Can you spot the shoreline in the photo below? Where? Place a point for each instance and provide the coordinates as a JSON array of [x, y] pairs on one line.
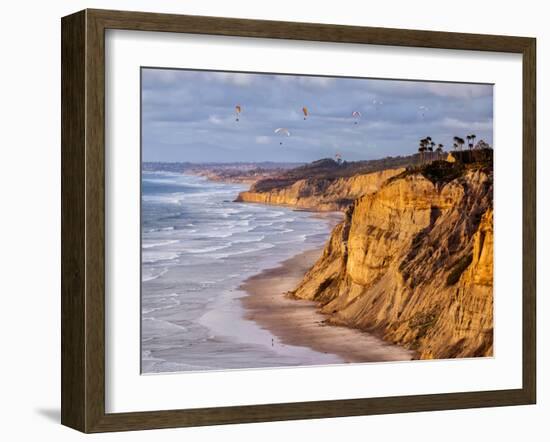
[[298, 322]]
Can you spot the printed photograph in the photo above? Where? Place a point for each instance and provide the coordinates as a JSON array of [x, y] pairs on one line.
[[296, 220]]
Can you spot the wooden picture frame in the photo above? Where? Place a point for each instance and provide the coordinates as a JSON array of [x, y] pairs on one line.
[[83, 220]]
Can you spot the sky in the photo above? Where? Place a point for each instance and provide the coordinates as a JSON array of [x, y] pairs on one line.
[[189, 115]]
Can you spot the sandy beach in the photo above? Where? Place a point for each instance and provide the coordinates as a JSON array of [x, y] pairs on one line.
[[298, 322]]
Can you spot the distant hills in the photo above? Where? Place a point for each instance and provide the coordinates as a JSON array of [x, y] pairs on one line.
[[330, 169], [266, 176]]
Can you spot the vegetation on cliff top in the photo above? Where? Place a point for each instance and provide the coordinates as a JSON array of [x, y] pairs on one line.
[[429, 161], [441, 172], [329, 169]]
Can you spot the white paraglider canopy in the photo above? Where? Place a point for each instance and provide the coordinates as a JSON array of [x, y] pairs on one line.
[[282, 131]]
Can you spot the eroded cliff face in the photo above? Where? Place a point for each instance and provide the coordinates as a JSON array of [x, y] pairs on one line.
[[413, 263], [319, 193]]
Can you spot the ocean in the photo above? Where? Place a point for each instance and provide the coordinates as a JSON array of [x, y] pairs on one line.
[[198, 246]]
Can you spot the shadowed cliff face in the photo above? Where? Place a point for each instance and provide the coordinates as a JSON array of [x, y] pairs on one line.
[[413, 262], [319, 193]]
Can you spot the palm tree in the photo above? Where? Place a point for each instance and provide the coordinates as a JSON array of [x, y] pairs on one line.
[[471, 145], [439, 150], [455, 139], [482, 145], [460, 142], [422, 147]]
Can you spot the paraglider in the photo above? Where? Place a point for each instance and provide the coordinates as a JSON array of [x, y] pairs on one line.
[[237, 112], [377, 103], [305, 112], [282, 131], [356, 115], [423, 110]]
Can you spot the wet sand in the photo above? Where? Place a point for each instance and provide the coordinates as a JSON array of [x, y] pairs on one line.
[[298, 322]]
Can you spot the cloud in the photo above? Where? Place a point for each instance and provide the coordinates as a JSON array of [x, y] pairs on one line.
[[159, 78], [308, 82], [214, 119], [453, 123], [263, 139], [190, 115], [315, 82], [464, 91], [237, 79]]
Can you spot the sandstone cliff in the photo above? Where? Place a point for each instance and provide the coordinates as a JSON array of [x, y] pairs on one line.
[[319, 193], [411, 262]]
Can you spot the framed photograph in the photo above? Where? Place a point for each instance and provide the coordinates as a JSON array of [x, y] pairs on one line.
[[269, 220]]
